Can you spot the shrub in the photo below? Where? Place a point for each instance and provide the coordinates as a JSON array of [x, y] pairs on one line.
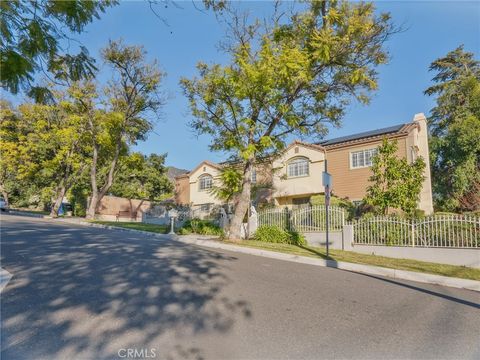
[[297, 238], [202, 227], [273, 234]]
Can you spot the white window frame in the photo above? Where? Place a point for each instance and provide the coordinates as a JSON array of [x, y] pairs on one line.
[[295, 162], [360, 159], [201, 185]]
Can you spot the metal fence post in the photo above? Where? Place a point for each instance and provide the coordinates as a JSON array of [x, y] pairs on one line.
[[413, 232]]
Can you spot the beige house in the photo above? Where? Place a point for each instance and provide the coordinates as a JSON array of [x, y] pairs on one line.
[[296, 174]]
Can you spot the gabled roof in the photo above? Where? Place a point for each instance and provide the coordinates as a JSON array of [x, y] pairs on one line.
[[204, 162], [400, 128], [301, 143]]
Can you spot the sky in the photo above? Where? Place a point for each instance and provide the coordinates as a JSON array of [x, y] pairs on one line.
[[431, 29]]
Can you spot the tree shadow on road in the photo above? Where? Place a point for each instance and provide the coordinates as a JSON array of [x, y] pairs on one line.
[[78, 294]]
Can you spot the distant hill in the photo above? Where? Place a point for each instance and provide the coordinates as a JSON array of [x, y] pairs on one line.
[[173, 172]]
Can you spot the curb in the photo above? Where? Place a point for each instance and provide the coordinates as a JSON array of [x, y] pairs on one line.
[[359, 268], [26, 213]]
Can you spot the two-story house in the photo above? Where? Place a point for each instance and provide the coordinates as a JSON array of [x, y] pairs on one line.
[[295, 175]]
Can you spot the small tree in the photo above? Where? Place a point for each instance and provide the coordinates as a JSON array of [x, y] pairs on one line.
[[396, 183]]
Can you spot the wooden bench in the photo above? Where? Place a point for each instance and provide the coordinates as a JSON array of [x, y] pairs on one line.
[[127, 214]]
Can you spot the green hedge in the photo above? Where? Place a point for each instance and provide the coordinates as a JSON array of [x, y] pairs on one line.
[[274, 234], [202, 227]]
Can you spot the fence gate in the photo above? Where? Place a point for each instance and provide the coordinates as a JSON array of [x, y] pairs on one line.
[[303, 219]]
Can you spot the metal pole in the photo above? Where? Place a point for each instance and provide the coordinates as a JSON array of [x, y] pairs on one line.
[[172, 225], [327, 194]]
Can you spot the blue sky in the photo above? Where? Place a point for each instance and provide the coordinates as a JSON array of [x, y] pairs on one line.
[[432, 28]]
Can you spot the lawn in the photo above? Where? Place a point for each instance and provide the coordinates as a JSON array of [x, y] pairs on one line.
[[161, 229], [352, 257]]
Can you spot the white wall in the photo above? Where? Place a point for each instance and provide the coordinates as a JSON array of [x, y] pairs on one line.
[[311, 184]]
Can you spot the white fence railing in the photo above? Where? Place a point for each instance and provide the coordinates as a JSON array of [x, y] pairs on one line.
[[303, 219], [459, 231]]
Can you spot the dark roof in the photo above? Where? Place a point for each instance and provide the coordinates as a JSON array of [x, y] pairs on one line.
[[366, 134]]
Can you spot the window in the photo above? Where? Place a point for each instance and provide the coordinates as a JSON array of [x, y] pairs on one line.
[[205, 182], [254, 176], [297, 167], [363, 158]]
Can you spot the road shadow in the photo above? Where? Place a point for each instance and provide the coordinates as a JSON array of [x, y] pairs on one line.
[[425, 291], [87, 293]]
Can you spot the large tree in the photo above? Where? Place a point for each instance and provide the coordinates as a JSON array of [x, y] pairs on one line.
[[133, 100], [289, 77], [32, 36], [454, 126], [396, 184]]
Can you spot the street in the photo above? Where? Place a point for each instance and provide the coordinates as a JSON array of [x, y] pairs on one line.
[[85, 293]]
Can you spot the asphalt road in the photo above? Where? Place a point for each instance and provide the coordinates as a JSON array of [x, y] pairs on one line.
[[86, 293]]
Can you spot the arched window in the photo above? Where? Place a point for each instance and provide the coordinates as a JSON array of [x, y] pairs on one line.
[[297, 167], [205, 182]]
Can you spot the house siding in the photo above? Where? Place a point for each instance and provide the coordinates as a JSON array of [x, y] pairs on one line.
[[353, 183], [182, 190]]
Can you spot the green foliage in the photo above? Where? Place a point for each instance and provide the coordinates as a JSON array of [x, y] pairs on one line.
[[274, 234], [229, 185], [31, 36], [345, 204], [395, 183], [202, 227], [288, 78], [454, 127], [142, 177]]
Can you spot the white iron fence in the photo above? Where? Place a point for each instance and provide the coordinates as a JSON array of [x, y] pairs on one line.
[[459, 231], [303, 219]]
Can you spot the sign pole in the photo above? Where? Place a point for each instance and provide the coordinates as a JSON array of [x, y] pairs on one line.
[[327, 201]]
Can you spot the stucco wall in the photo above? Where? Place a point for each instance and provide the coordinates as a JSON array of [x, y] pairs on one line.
[[418, 140], [306, 185], [110, 206], [198, 196], [461, 257]]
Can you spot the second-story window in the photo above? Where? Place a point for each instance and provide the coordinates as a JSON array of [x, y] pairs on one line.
[[362, 158], [205, 182], [297, 167]]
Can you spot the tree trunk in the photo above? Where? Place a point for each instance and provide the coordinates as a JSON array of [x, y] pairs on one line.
[[61, 190], [4, 194], [92, 205], [242, 204], [97, 195]]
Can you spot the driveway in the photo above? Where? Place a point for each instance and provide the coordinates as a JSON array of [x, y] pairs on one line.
[[87, 293]]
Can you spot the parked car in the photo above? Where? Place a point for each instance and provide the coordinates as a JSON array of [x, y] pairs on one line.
[[3, 204]]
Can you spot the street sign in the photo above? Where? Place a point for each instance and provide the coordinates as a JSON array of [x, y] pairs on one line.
[[327, 195], [327, 179]]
